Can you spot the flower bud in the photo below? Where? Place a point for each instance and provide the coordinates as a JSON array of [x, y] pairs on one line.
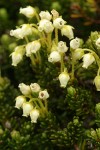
[[75, 43], [12, 46], [93, 134], [3, 14], [19, 101], [32, 47], [43, 94], [25, 89], [75, 121], [98, 42], [54, 57], [78, 54], [59, 23], [71, 91], [88, 59], [27, 108], [97, 82], [55, 14], [62, 48], [56, 5], [15, 135], [45, 15], [29, 11], [64, 78], [67, 31], [34, 114], [5, 39], [35, 87]]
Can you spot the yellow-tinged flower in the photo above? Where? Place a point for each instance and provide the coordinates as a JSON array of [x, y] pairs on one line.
[[24, 30], [19, 101], [54, 57], [16, 58], [67, 31], [27, 108], [17, 55], [75, 43], [25, 89], [17, 33], [35, 87], [62, 48], [34, 114], [32, 47], [78, 53], [59, 23], [64, 78], [88, 59], [45, 15], [97, 82]]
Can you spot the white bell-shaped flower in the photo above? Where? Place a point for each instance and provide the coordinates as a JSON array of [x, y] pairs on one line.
[[59, 23], [45, 15], [16, 58], [97, 82], [54, 57], [27, 108], [43, 94], [67, 31], [98, 42], [62, 48], [63, 78], [35, 87], [17, 33], [29, 11], [41, 24], [25, 89], [26, 29], [75, 43], [19, 101], [34, 114], [88, 59], [78, 54], [17, 55], [32, 47], [46, 26]]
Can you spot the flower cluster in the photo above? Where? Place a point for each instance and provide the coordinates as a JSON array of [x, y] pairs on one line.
[[33, 101], [48, 27]]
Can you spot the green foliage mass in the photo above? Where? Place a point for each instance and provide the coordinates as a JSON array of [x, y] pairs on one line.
[[73, 121]]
